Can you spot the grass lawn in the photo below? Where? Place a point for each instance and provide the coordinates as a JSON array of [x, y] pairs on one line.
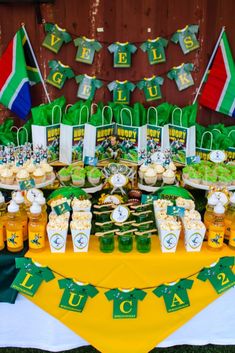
[[176, 349]]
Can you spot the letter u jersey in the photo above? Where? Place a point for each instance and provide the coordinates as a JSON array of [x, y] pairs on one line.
[[182, 76], [87, 86], [121, 91], [86, 49], [175, 294], [186, 38], [219, 274], [151, 87], [59, 73], [155, 49], [122, 53], [30, 276], [125, 302], [75, 294], [55, 37]]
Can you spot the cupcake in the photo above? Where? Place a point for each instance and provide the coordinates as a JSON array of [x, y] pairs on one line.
[[223, 180], [209, 180], [48, 169], [78, 179], [159, 169], [195, 177], [64, 174], [143, 168], [94, 176], [7, 177], [15, 169], [150, 176], [22, 175], [30, 169], [172, 166], [168, 177], [39, 175]]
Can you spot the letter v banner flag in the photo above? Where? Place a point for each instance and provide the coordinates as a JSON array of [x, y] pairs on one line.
[[219, 91], [18, 71]]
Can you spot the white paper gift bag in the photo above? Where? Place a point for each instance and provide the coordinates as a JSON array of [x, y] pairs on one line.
[[157, 136], [132, 140], [182, 139], [48, 136], [72, 140]]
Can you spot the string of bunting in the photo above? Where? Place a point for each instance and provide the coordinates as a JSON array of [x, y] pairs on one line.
[[76, 294]]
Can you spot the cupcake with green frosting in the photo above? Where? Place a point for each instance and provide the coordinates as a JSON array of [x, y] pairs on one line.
[[94, 176], [209, 179], [78, 178], [195, 177], [186, 171], [223, 180], [64, 174]]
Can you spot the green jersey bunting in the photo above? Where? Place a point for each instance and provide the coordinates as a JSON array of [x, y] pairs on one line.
[[59, 73], [121, 91], [125, 302], [182, 76], [86, 49], [87, 86], [220, 274], [55, 37], [175, 294], [186, 37], [122, 53], [151, 87], [75, 295], [155, 49]]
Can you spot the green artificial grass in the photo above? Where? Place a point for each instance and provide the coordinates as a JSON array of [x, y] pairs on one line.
[[177, 349]]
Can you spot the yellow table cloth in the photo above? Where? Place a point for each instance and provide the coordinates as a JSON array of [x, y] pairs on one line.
[[131, 270]]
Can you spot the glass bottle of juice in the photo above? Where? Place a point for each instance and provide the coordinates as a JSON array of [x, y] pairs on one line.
[[19, 199], [231, 242], [3, 218], [209, 214], [217, 228], [36, 228], [14, 229], [229, 216]]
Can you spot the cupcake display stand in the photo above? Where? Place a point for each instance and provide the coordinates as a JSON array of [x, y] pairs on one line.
[[37, 186], [152, 188], [88, 189], [204, 187]]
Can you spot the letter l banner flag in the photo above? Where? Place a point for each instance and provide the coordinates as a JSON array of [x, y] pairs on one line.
[[17, 72], [219, 90]]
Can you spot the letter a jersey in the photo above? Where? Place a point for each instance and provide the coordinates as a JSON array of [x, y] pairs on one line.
[[121, 91], [175, 294], [30, 276], [186, 38], [125, 302], [75, 294], [182, 76], [155, 49], [219, 274], [87, 86], [122, 53], [55, 37], [151, 87], [59, 73], [86, 49]]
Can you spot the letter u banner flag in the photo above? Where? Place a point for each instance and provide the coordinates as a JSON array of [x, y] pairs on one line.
[[219, 90], [17, 73]]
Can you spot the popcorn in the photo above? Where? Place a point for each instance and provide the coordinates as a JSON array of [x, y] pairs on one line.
[[75, 225], [57, 225], [162, 204], [59, 202], [82, 216], [163, 216], [192, 215], [187, 204], [63, 217], [189, 224], [170, 225], [81, 205]]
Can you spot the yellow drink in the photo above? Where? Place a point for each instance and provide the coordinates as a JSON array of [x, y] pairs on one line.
[[14, 231], [217, 229], [19, 199], [36, 228], [229, 216]]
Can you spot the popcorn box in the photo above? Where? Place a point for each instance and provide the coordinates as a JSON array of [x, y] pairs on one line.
[[57, 239], [194, 239], [169, 240], [82, 215], [81, 239]]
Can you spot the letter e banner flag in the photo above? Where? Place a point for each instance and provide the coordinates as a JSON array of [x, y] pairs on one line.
[[219, 90], [17, 72]]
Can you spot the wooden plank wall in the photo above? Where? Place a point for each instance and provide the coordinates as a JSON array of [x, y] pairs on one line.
[[124, 20]]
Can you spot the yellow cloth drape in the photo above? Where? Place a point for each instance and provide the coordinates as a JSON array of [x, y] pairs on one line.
[[118, 270]]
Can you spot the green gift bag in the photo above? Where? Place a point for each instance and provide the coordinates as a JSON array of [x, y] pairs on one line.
[[132, 138], [98, 134], [72, 136], [157, 136], [182, 138]]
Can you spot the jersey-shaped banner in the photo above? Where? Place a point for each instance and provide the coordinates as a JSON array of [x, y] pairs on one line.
[[87, 86], [121, 91], [122, 53], [86, 49], [125, 302], [182, 76], [75, 294], [175, 294], [186, 38], [155, 49], [59, 73], [220, 274], [151, 87], [30, 276], [55, 37]]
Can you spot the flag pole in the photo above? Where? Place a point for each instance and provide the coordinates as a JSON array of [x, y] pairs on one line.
[[209, 63], [34, 57]]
